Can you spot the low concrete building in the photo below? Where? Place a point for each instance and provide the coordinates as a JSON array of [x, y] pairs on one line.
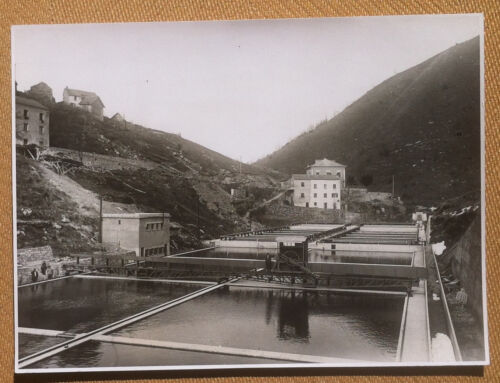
[[83, 99], [32, 122], [148, 234]]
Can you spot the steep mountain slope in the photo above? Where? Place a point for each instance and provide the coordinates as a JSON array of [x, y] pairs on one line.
[[421, 125]]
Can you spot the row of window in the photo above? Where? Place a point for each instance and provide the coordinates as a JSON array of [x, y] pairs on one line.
[[325, 205], [325, 186], [154, 226], [26, 128], [26, 115], [154, 251], [325, 195]]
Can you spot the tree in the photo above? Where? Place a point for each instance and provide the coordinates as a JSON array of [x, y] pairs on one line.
[[366, 180]]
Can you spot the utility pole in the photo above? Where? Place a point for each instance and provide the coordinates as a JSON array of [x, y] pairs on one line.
[[393, 186], [100, 220]]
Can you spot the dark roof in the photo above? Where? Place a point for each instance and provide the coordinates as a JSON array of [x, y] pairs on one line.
[[326, 162], [314, 177], [41, 85], [30, 102]]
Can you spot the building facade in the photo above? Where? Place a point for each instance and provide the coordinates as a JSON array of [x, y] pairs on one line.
[[147, 234], [317, 191], [327, 167], [32, 123], [321, 186], [88, 101]]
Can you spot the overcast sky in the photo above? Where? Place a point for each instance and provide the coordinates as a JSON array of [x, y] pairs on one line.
[[242, 88]]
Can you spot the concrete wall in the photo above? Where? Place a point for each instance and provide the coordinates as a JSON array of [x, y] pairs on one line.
[[32, 130], [466, 265], [32, 258], [154, 237], [102, 161], [124, 232], [247, 244], [303, 214]]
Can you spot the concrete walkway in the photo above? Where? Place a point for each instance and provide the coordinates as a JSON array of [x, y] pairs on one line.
[[415, 345]]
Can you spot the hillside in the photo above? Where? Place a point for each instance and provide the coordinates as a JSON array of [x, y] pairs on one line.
[[421, 125], [134, 168]]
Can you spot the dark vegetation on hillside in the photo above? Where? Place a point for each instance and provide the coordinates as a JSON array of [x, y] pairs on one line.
[[76, 129], [422, 126], [155, 191]]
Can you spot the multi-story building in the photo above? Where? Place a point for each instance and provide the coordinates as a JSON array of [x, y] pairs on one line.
[[32, 122], [327, 167], [321, 186], [147, 234], [89, 101]]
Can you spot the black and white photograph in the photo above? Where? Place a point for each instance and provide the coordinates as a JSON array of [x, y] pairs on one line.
[[249, 194]]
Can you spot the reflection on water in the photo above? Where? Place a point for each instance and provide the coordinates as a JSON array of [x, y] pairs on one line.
[[364, 327], [318, 256], [83, 304]]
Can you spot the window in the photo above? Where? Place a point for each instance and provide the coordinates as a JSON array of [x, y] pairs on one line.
[[25, 142], [25, 126], [26, 114], [328, 173], [302, 184], [40, 129], [315, 204], [324, 186], [307, 204], [75, 98], [335, 186], [302, 195], [335, 195], [315, 195], [315, 186], [119, 222], [317, 173], [324, 195], [41, 117], [325, 205]]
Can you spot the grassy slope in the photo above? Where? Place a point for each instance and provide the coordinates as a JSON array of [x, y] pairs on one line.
[[421, 125]]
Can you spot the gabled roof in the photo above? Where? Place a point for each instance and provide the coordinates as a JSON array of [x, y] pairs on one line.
[[88, 98], [312, 177], [326, 162], [30, 102]]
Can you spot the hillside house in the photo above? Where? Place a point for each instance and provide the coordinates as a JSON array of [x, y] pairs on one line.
[[321, 186], [147, 234], [32, 122], [42, 92], [88, 101], [118, 117]]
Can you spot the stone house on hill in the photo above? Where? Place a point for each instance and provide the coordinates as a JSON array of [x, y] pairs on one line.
[[42, 92], [32, 122], [89, 101]]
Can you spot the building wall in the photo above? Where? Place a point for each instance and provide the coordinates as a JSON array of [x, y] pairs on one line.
[[122, 231], [152, 237], [302, 193], [325, 192], [32, 130], [97, 110], [327, 170]]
